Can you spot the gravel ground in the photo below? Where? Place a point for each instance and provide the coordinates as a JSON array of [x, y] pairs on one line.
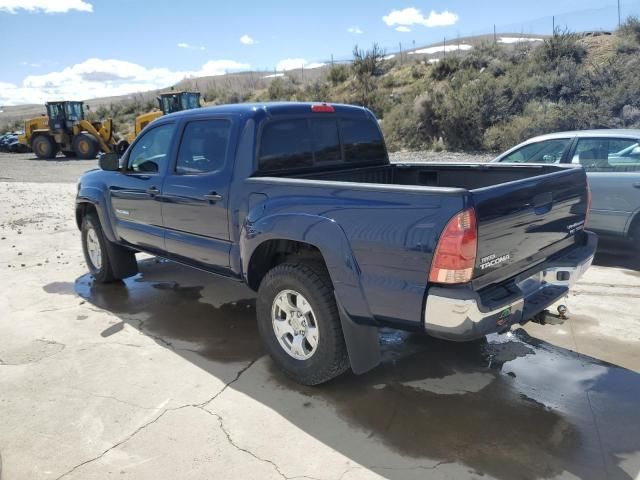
[[26, 167], [16, 167]]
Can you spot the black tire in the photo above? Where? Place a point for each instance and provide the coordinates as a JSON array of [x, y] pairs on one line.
[[121, 147], [330, 358], [44, 147], [635, 234], [69, 153], [115, 263], [85, 146]]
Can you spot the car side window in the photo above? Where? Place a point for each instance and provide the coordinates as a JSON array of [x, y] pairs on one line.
[[151, 150], [547, 151], [203, 148], [608, 154]]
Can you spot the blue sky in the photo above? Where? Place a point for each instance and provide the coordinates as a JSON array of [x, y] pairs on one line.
[[117, 46]]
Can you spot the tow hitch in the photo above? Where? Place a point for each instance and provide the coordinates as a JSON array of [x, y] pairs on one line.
[[546, 317]]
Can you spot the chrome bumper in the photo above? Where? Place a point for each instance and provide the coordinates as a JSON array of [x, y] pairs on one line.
[[462, 314]]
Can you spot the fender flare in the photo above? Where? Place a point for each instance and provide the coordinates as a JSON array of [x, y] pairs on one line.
[[358, 325], [94, 196]]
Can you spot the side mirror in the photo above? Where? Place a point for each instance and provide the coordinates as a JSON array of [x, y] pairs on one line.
[[635, 152], [109, 162]]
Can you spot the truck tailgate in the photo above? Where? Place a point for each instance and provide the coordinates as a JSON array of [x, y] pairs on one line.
[[523, 222]]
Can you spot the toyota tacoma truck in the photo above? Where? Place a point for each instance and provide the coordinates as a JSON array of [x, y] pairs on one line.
[[300, 202]]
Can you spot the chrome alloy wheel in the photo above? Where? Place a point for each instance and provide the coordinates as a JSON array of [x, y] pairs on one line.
[[294, 324], [93, 248]]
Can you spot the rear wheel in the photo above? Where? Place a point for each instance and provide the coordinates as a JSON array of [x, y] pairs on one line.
[[299, 323], [85, 146], [107, 262], [44, 147]]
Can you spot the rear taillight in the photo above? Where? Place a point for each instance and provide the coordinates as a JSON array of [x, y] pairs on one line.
[[586, 215], [455, 255], [322, 107]]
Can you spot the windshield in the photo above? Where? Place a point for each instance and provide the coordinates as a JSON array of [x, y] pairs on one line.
[[170, 104], [190, 100], [74, 111]]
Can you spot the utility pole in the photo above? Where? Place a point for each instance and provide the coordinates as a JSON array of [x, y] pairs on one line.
[[553, 24], [619, 18], [302, 73], [444, 47], [495, 40], [400, 45], [332, 59]]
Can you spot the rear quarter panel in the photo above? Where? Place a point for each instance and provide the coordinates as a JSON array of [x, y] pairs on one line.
[[614, 200], [390, 233]]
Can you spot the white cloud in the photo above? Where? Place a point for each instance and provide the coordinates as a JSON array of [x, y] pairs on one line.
[[97, 77], [28, 64], [247, 40], [219, 67], [46, 6], [355, 29], [413, 16], [295, 63], [403, 29], [190, 47]]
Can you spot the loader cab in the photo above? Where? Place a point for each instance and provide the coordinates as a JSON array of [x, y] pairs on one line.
[[177, 101], [63, 115]]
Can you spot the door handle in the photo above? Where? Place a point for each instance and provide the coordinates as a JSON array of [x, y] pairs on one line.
[[153, 190], [213, 196]]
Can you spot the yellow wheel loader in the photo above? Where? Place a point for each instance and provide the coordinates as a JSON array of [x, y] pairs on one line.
[[65, 129], [168, 102]]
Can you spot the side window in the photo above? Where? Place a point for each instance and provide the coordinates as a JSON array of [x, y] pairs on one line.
[[547, 151], [608, 154], [151, 149], [285, 144], [362, 140], [203, 147]]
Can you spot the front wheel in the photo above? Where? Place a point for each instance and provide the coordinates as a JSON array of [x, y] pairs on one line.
[[85, 146], [107, 262], [299, 323]]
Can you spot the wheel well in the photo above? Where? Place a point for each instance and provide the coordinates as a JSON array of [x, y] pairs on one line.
[[83, 209], [274, 252]]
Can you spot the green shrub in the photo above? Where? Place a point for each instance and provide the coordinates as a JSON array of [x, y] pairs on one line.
[[281, 88], [445, 67], [630, 29], [338, 74]]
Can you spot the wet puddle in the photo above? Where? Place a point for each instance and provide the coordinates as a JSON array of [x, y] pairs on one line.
[[509, 406]]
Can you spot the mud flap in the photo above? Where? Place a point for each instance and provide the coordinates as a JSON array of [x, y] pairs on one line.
[[123, 261], [362, 343]]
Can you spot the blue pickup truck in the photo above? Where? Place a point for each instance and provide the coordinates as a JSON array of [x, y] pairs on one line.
[[300, 202]]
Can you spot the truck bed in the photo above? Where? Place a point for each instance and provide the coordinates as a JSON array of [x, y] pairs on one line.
[[525, 213], [467, 176]]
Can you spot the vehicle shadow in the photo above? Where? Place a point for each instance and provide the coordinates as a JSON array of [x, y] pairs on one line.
[[508, 406], [617, 254]]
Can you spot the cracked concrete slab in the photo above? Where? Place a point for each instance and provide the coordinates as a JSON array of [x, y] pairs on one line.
[[164, 376]]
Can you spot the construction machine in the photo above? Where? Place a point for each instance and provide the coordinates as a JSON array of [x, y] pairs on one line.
[[168, 102], [65, 129]]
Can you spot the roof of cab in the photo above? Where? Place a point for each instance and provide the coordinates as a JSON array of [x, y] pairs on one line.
[[266, 108]]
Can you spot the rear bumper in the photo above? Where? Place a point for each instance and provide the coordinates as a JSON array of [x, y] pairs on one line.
[[460, 313]]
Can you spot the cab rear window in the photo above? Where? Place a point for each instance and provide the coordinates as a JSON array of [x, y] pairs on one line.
[[302, 143]]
